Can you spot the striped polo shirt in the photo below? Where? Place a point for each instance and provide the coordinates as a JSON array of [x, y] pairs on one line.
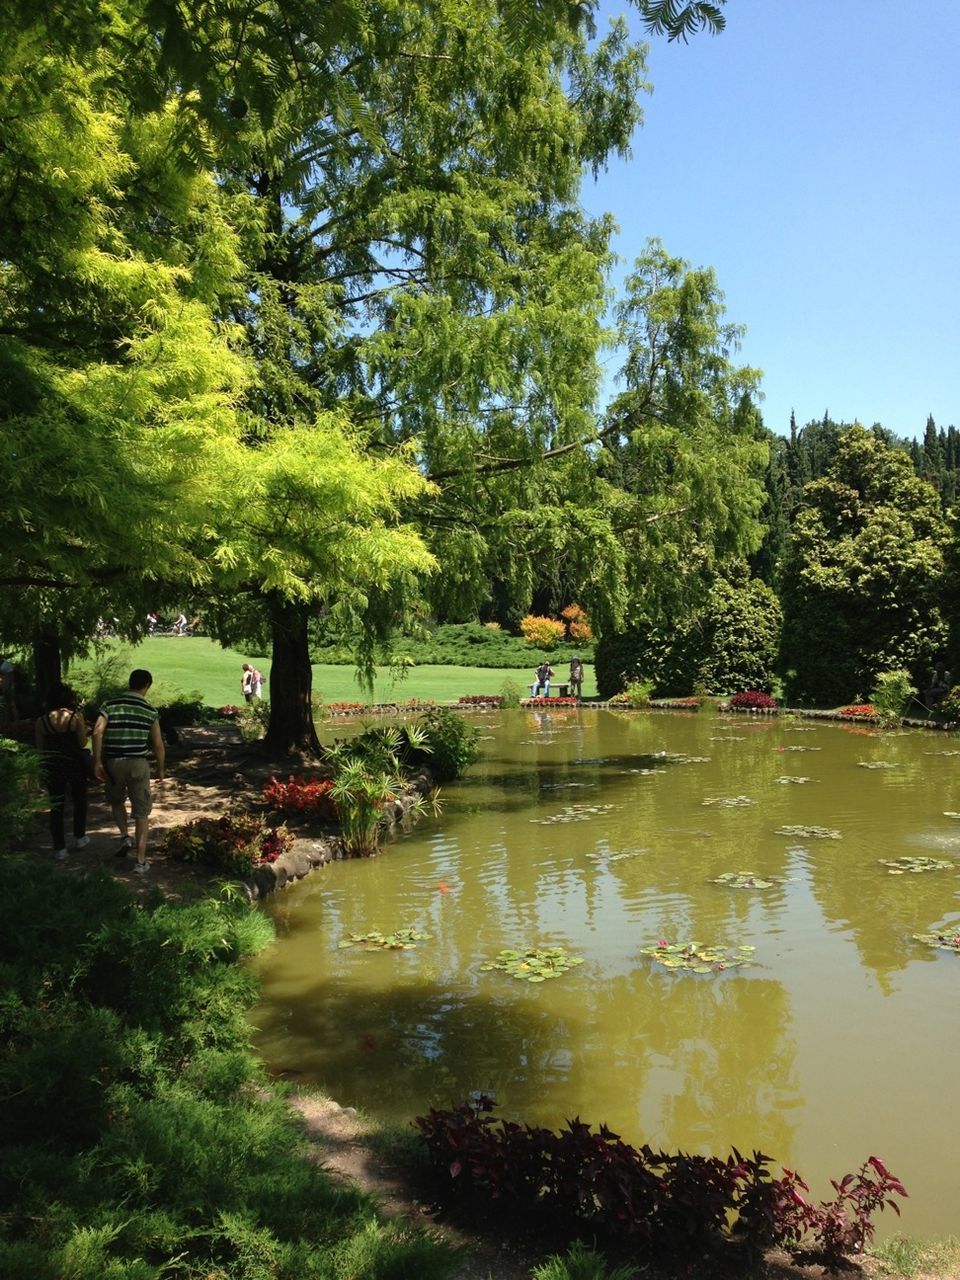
[[129, 720]]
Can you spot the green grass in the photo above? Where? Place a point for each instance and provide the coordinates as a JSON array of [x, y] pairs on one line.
[[195, 663]]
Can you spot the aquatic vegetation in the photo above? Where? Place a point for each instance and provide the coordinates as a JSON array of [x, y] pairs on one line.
[[730, 737], [877, 764], [944, 940], [399, 940], [616, 855], [672, 757], [643, 773], [798, 747], [696, 957], [574, 813], [948, 813], [816, 833], [536, 964], [728, 802], [787, 778], [900, 866], [745, 880]]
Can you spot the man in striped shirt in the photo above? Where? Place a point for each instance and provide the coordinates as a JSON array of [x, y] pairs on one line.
[[126, 729]]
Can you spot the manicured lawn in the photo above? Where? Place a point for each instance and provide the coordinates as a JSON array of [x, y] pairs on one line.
[[195, 663]]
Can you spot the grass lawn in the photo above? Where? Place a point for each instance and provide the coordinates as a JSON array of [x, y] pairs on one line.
[[193, 663]]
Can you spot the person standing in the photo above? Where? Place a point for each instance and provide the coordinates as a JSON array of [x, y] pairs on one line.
[[246, 682], [256, 684], [61, 737], [127, 729], [576, 677]]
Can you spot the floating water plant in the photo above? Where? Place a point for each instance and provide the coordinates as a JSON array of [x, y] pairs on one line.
[[744, 880], [617, 855], [574, 813], [876, 764], [788, 778], [798, 746], [900, 866], [948, 813], [946, 940], [643, 773], [815, 833], [728, 802], [942, 753], [730, 737], [399, 940], [671, 757], [536, 964], [695, 957]]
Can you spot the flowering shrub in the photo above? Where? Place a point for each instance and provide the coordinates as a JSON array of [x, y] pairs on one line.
[[861, 711], [236, 842], [299, 795], [680, 704], [578, 624], [551, 702], [229, 712], [673, 1204], [752, 700], [480, 699], [545, 633], [343, 708]]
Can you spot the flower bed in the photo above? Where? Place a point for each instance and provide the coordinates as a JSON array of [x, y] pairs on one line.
[[344, 708], [752, 700], [308, 797], [480, 699], [237, 843], [677, 704], [862, 711], [550, 702]]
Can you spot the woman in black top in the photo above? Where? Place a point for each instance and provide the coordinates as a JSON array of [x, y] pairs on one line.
[[61, 735]]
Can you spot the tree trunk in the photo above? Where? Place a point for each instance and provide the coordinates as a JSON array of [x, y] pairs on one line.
[[47, 663], [291, 714]]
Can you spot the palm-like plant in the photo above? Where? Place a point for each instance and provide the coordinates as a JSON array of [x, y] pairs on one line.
[[368, 776]]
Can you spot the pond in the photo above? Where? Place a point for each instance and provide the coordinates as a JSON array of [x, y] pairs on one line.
[[605, 833]]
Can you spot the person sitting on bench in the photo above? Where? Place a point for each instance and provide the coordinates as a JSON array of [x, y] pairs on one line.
[[543, 673]]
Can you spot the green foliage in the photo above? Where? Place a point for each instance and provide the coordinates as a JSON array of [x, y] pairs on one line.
[[637, 694], [21, 798], [862, 574], [891, 695], [581, 1263], [468, 644], [146, 1139], [727, 644], [253, 719], [452, 742], [948, 708], [510, 694], [235, 842]]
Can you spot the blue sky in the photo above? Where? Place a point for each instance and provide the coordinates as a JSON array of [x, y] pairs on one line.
[[809, 154]]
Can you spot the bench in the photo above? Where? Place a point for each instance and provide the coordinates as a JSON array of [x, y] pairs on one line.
[[562, 690]]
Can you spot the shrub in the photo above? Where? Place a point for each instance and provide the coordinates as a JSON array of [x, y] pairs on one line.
[[948, 708], [543, 633], [891, 696], [752, 700], [677, 1206], [452, 742], [578, 624], [510, 694], [466, 644], [20, 796], [480, 700], [236, 843], [636, 694], [307, 797], [253, 719], [861, 711]]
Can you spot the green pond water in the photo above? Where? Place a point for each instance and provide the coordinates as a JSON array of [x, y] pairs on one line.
[[593, 831]]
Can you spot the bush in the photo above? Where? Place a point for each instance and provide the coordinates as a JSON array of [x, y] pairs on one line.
[[752, 700], [579, 629], [948, 708], [891, 696], [21, 798], [253, 719], [636, 694], [675, 1206], [860, 711], [462, 644], [236, 843], [543, 633], [453, 743]]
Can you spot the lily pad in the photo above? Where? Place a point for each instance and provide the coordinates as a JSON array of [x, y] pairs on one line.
[[798, 746], [946, 940], [574, 813], [744, 880], [730, 737], [672, 757], [942, 753], [695, 957], [876, 764], [533, 965], [399, 940], [616, 855], [900, 866], [728, 802], [814, 833], [789, 778], [948, 813]]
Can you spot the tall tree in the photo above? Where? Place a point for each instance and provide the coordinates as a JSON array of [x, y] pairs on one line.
[[862, 574]]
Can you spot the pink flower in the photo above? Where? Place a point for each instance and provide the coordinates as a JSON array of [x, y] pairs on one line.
[[663, 943]]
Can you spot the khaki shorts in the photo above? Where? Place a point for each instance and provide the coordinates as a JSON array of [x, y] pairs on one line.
[[129, 776]]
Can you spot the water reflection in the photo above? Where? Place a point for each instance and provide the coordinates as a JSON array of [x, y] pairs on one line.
[[589, 831]]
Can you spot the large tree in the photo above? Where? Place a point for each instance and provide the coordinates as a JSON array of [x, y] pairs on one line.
[[862, 574]]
